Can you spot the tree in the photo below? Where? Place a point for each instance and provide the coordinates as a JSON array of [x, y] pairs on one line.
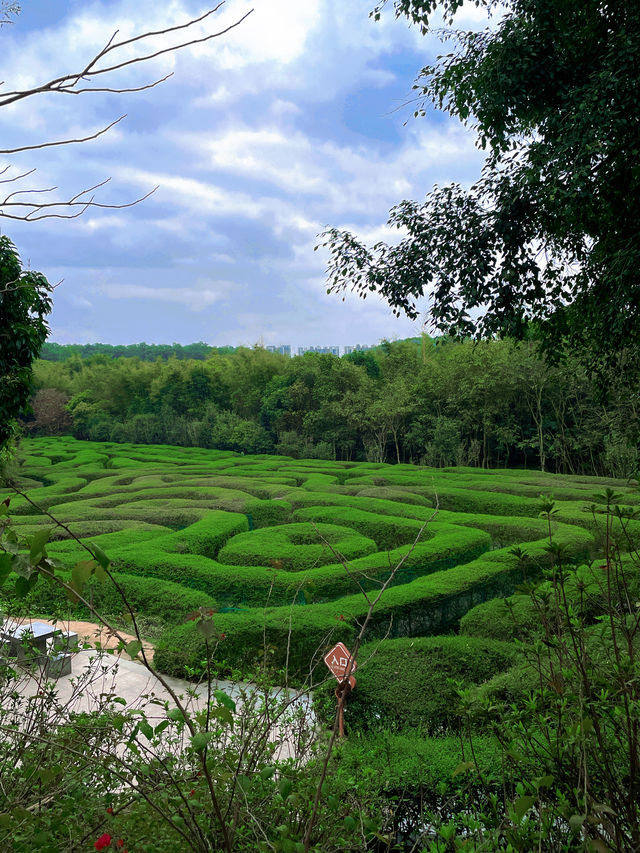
[[25, 302], [549, 235]]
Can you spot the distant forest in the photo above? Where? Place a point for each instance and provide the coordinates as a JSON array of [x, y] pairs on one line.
[[145, 352], [441, 403]]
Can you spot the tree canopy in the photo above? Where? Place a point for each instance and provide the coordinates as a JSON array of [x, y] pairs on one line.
[[549, 233], [24, 305]]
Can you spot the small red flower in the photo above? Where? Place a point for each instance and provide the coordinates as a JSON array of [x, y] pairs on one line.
[[341, 617], [192, 792], [109, 810], [103, 842], [223, 636], [120, 842]]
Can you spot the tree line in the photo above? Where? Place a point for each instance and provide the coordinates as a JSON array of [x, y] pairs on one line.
[[52, 351], [438, 402]]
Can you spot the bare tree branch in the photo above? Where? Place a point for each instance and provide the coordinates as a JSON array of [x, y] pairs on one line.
[[67, 82], [65, 141], [75, 83]]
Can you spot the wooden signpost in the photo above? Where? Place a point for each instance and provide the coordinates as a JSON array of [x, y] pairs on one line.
[[341, 664]]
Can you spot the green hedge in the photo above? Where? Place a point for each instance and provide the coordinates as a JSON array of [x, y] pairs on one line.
[[386, 531], [431, 604], [295, 547], [497, 621], [414, 769], [406, 682], [586, 592], [256, 586], [170, 603]]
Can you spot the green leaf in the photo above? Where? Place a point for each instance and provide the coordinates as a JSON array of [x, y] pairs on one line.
[[146, 729], [5, 821], [462, 768], [200, 740], [133, 648], [225, 699], [176, 715], [244, 783], [24, 585], [522, 806], [285, 787], [81, 573], [349, 822], [223, 714], [161, 727], [101, 558], [267, 772], [587, 725], [5, 567], [576, 821], [38, 541]]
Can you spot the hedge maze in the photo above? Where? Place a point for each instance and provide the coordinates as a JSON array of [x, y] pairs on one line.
[[262, 539]]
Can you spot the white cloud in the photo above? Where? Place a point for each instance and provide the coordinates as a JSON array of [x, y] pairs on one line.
[[255, 147], [195, 298]]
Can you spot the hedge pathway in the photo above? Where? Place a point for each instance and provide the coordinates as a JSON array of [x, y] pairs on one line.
[[260, 540]]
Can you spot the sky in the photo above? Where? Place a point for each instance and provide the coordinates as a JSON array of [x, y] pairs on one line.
[[301, 117]]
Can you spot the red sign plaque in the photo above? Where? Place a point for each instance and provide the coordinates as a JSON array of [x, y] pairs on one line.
[[340, 662]]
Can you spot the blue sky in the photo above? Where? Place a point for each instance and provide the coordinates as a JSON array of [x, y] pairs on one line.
[[296, 119]]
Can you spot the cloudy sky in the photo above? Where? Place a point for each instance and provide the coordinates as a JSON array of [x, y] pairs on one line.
[[296, 119]]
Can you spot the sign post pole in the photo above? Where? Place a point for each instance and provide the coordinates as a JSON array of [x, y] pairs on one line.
[[341, 664]]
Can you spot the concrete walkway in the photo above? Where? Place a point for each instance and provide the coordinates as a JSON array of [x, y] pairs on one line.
[[98, 678]]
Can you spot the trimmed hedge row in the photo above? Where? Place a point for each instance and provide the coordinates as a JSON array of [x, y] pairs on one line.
[[406, 682], [171, 603], [386, 531], [298, 636], [586, 591], [295, 547], [253, 586], [173, 491]]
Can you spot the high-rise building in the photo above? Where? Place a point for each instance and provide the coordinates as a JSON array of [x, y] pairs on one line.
[[284, 349], [321, 350], [356, 348]]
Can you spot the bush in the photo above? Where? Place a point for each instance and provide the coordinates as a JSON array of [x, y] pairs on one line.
[[298, 636], [386, 531], [170, 603], [495, 620], [295, 547], [412, 682]]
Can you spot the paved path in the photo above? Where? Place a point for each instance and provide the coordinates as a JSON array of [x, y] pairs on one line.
[[96, 676]]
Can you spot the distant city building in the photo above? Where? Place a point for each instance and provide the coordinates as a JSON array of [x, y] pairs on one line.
[[321, 350], [356, 348], [285, 349]]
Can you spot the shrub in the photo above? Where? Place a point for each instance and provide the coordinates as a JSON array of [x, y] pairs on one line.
[[496, 621], [412, 682], [294, 547], [170, 603], [386, 531]]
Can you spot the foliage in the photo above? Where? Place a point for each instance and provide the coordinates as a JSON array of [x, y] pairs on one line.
[[411, 683], [484, 405], [551, 95], [200, 772], [566, 718], [52, 351], [24, 305]]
